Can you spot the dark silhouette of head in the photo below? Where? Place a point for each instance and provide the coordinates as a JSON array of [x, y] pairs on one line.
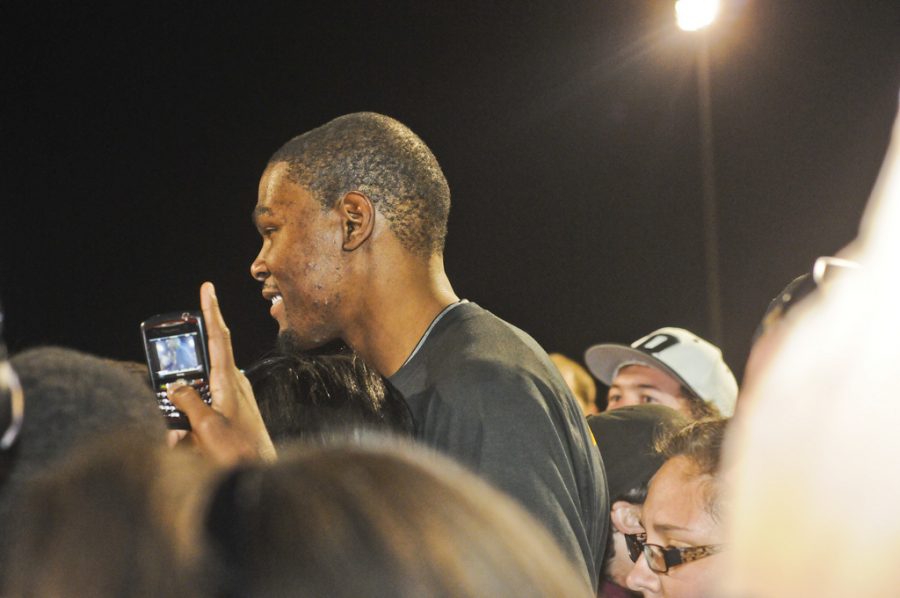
[[306, 396]]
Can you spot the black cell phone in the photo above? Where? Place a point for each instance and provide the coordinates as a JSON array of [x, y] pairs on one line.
[[176, 348]]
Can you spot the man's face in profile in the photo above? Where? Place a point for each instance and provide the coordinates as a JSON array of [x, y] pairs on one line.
[[641, 385], [300, 263]]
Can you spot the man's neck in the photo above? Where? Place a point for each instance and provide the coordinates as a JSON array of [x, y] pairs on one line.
[[396, 312]]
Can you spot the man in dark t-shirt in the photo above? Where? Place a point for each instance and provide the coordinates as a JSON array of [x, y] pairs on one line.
[[486, 393], [353, 217]]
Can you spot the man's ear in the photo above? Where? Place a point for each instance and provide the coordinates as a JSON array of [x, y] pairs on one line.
[[357, 219], [626, 517]]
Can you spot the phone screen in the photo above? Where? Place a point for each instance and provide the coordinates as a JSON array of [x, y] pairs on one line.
[[174, 355]]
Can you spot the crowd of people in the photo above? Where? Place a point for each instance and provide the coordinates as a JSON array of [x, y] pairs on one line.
[[403, 441]]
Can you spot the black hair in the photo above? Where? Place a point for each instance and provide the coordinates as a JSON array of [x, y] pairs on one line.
[[310, 396], [383, 159]]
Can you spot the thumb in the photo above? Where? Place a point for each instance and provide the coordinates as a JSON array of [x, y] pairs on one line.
[[187, 400]]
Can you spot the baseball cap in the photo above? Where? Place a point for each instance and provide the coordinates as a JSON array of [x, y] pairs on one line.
[[626, 437], [694, 362]]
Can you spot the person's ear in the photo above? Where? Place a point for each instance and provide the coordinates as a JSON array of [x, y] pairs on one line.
[[626, 517], [357, 219]]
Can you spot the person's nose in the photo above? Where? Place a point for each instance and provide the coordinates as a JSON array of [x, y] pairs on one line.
[[643, 579], [258, 269]]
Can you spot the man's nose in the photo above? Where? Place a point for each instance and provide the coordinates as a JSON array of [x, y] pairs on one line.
[[258, 269], [642, 579]]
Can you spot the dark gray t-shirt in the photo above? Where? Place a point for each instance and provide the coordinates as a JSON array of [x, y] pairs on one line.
[[485, 393]]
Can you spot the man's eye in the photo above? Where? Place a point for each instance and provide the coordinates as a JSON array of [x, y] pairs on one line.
[[648, 399], [267, 231], [613, 398]]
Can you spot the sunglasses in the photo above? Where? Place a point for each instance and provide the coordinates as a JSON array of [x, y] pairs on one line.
[[662, 558], [823, 272], [11, 394]]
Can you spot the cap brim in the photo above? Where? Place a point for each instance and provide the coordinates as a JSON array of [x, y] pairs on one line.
[[605, 360]]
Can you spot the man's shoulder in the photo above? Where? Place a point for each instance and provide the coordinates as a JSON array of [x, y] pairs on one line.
[[474, 335], [478, 354]]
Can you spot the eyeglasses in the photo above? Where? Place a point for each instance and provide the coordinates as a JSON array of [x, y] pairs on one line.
[[823, 272], [662, 558], [826, 266], [11, 392]]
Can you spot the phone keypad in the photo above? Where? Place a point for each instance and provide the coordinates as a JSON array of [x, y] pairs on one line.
[[166, 406]]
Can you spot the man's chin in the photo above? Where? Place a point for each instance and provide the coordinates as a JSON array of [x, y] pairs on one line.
[[291, 343]]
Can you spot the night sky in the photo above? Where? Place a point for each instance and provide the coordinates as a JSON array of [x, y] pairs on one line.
[[133, 141]]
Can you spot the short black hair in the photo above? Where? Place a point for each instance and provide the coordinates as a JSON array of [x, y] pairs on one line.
[[383, 159], [305, 396]]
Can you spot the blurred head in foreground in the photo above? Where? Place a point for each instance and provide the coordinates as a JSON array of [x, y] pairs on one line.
[[815, 448], [377, 521], [114, 518], [70, 397]]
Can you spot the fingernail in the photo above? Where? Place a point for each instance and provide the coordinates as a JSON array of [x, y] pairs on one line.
[[174, 386]]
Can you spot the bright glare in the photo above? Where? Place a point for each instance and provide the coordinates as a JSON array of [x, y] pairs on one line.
[[695, 14]]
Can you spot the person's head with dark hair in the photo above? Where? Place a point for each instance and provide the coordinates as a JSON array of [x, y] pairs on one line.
[[627, 439], [675, 555], [377, 520], [115, 518], [70, 397], [376, 155], [135, 368], [305, 396]]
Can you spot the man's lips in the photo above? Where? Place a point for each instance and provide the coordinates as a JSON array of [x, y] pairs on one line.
[[275, 298]]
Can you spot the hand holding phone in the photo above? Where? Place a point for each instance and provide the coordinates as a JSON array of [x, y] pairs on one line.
[[234, 411]]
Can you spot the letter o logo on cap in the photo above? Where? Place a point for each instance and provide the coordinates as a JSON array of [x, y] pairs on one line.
[[657, 343]]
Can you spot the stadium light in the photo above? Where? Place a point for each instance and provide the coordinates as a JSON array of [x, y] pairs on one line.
[[693, 15]]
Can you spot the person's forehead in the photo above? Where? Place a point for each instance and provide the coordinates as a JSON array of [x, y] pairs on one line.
[[278, 192], [636, 374], [677, 498]]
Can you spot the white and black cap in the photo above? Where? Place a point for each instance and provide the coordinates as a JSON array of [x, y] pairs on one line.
[[694, 362]]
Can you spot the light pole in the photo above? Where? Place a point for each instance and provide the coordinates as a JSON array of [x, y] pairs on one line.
[[697, 15]]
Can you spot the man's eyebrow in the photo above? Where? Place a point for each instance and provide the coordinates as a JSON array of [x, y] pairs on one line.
[[650, 386], [259, 211]]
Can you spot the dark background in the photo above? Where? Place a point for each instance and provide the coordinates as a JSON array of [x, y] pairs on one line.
[[133, 140]]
